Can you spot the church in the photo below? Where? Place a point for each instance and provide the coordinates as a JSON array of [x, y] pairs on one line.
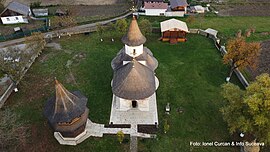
[[134, 83]]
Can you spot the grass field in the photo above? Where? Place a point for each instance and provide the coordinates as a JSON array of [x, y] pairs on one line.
[[190, 76], [226, 26]]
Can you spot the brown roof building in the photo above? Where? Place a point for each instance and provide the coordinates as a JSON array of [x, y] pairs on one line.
[[67, 112]]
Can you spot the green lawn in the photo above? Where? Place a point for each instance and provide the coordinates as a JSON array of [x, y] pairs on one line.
[[190, 76], [227, 26]]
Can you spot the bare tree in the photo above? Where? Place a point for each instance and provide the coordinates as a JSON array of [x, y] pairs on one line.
[[12, 133]]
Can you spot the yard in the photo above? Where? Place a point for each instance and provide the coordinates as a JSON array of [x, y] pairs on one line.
[[190, 76], [226, 26]]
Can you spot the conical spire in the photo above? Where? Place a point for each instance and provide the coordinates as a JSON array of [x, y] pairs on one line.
[[134, 81], [134, 36], [65, 106]]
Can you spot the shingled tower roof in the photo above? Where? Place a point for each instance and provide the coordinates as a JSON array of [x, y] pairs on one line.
[[147, 56], [134, 81], [134, 36], [64, 106]]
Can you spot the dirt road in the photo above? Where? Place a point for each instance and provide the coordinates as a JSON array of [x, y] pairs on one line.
[[70, 2]]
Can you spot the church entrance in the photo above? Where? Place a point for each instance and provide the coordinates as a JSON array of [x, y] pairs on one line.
[[134, 104]]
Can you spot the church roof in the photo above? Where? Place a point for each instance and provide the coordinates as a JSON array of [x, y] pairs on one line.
[[64, 106], [134, 36], [133, 81], [147, 56]]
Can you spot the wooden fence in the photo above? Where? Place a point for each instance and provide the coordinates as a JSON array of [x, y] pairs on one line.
[[223, 51]]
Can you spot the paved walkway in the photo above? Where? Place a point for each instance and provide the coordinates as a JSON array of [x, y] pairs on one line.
[[133, 144], [98, 130]]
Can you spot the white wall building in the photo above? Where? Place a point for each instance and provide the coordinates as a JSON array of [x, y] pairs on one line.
[[15, 13], [13, 20], [155, 8], [134, 82]]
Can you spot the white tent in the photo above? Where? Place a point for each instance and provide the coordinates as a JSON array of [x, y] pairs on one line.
[[211, 31], [171, 24]]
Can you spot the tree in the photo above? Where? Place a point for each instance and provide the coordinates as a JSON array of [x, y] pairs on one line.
[[248, 110], [2, 3], [36, 41], [201, 18], [100, 29], [120, 136], [13, 133], [145, 26], [121, 25], [190, 19], [63, 21], [241, 54]]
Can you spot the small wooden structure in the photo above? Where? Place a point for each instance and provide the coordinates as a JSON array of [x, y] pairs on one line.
[[67, 112], [174, 31], [178, 5]]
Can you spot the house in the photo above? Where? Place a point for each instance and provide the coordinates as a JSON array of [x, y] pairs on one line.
[[134, 83], [173, 31], [155, 8], [14, 13], [197, 9], [179, 5], [67, 114], [40, 12]]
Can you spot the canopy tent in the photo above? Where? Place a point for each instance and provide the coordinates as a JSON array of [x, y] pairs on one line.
[[173, 30]]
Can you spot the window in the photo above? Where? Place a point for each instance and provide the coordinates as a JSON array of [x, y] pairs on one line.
[[134, 51], [8, 19], [16, 18]]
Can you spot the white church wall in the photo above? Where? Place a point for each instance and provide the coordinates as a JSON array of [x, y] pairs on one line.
[[130, 50]]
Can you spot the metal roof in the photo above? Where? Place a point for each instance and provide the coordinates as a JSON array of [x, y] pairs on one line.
[[176, 3], [155, 5], [153, 0], [18, 7]]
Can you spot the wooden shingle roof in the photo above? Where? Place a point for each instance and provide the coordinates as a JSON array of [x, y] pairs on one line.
[[147, 56], [134, 36], [64, 106], [133, 81]]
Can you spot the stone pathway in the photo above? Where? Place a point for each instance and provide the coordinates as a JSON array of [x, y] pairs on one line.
[[133, 144], [98, 130]]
